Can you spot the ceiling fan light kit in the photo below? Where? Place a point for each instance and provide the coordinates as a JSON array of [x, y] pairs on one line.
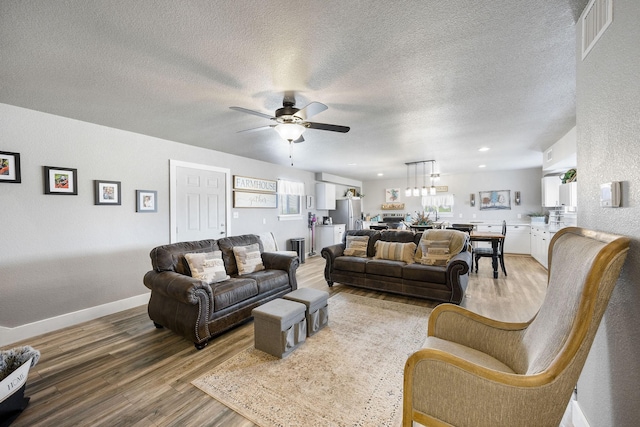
[[292, 121], [290, 131]]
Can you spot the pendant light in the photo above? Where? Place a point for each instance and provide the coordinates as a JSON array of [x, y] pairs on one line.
[[424, 191], [416, 190], [407, 192]]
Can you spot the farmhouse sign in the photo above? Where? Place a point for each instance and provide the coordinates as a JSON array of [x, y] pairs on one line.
[[254, 184]]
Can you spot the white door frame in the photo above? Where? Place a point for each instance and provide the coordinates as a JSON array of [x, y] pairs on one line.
[[173, 165]]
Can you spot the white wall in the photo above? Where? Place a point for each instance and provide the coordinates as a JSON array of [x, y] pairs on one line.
[[62, 254], [608, 125], [527, 181]]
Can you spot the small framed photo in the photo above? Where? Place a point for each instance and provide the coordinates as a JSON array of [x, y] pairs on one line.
[[146, 201], [9, 167], [61, 181], [106, 192]]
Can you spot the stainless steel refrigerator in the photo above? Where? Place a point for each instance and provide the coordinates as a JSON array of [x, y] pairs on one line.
[[348, 212]]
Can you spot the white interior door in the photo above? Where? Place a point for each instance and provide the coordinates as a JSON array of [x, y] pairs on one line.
[[199, 202]]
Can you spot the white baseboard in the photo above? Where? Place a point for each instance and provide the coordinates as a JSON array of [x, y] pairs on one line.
[[30, 330], [577, 416]]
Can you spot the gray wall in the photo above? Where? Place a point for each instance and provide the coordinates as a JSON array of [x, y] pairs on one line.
[[61, 254], [527, 181], [608, 124]]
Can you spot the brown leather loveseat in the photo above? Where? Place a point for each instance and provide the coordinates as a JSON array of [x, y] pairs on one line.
[[200, 311], [446, 282]]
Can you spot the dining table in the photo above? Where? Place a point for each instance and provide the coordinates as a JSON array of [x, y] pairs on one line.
[[492, 237]]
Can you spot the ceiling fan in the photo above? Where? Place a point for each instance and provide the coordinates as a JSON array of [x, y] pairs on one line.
[[291, 122]]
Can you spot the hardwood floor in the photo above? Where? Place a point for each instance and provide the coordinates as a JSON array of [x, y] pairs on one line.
[[120, 370]]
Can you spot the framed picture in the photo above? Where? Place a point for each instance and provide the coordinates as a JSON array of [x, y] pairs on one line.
[[9, 167], [391, 195], [243, 199], [60, 181], [495, 200], [146, 201], [106, 192]]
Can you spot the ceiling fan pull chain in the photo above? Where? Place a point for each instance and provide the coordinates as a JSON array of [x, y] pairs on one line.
[[291, 151]]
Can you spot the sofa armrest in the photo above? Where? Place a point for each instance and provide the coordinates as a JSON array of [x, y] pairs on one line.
[[458, 269], [280, 261], [330, 253], [184, 289]]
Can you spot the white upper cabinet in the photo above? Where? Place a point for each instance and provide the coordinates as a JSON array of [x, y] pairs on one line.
[[551, 191], [325, 196], [569, 194]]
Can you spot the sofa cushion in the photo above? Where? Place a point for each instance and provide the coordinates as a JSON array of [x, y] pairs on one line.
[[385, 267], [395, 251], [269, 280], [248, 258], [435, 252], [207, 266], [356, 246], [425, 273], [233, 291], [350, 263], [401, 236]]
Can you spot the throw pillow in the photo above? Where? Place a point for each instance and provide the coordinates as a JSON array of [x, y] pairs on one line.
[[357, 246], [434, 252], [395, 251], [207, 267], [248, 258]]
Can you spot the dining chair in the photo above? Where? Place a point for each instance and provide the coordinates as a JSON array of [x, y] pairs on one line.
[[474, 371], [488, 252]]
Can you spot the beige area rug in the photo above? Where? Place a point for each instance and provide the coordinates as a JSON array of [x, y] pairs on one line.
[[348, 374]]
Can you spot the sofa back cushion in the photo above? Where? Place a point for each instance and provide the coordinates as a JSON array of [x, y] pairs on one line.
[[227, 244], [171, 257], [374, 236], [401, 236]]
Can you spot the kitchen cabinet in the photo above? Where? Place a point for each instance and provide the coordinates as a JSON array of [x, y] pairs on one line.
[[517, 238], [325, 196], [540, 239], [551, 191], [327, 235], [569, 194]]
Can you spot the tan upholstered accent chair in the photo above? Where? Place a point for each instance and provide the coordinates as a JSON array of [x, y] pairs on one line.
[[474, 371]]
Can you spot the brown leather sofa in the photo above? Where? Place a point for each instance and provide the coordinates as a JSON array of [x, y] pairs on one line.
[[198, 311], [441, 283]]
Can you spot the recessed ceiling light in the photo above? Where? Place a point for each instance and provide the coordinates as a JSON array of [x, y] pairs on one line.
[[380, 174], [351, 164], [482, 166], [484, 149]]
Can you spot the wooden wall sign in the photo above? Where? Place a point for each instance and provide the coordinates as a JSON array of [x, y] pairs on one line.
[[254, 184]]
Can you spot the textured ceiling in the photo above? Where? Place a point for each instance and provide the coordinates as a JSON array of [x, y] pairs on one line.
[[414, 80]]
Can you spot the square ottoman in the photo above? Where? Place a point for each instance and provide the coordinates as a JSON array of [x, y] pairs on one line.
[[280, 326], [317, 307]]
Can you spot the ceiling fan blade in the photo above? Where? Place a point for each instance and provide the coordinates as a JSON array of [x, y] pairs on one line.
[[310, 110], [257, 129], [325, 126], [255, 113]]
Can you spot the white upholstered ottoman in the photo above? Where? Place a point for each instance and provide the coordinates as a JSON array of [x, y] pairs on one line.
[[316, 304], [280, 326]]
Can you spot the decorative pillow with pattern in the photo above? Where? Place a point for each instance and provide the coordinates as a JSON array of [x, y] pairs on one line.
[[248, 258], [395, 251], [435, 252], [207, 266], [357, 246]]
